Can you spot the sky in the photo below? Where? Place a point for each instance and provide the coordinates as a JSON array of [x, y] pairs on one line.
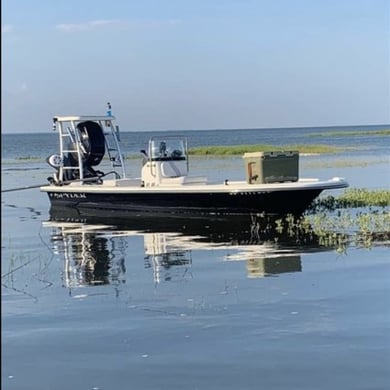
[[196, 64]]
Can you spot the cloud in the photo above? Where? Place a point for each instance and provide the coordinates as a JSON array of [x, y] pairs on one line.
[[7, 28], [87, 26]]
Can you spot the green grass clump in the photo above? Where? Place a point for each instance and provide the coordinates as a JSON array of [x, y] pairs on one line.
[[357, 215], [233, 150], [344, 228], [353, 198], [360, 197], [336, 230]]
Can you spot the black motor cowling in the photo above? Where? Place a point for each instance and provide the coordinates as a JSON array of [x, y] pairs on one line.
[[92, 141], [92, 149]]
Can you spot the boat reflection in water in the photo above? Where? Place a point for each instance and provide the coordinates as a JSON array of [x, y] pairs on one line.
[[90, 257], [168, 259], [258, 267], [95, 248]]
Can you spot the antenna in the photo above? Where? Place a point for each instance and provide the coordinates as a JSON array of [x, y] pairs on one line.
[[109, 112]]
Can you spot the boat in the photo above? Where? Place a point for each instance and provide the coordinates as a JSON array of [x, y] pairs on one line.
[[90, 174]]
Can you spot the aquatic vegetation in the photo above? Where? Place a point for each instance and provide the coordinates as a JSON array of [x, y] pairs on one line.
[[359, 228], [33, 158], [350, 133], [351, 198], [359, 217], [345, 163], [335, 230], [241, 149]]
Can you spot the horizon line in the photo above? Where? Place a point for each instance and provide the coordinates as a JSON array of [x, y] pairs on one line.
[[218, 129]]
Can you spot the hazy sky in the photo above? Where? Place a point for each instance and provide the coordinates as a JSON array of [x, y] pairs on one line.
[[196, 64]]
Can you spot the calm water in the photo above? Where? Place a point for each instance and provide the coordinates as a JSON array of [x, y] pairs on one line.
[[184, 303]]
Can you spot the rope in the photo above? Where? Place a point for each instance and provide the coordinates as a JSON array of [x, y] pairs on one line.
[[23, 188], [42, 185]]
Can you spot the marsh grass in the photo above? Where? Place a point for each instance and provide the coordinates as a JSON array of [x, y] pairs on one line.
[[337, 230], [359, 217], [32, 158], [351, 133], [352, 198], [360, 227], [345, 163], [232, 150]]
